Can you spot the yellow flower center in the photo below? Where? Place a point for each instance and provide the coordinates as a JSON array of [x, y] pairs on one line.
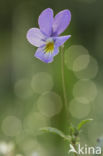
[[49, 47]]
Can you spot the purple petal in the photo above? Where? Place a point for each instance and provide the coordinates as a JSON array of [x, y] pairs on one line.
[[61, 40], [35, 37], [56, 51], [45, 21], [45, 57], [61, 22]]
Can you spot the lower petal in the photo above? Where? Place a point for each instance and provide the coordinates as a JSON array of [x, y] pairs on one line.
[[45, 57], [56, 51]]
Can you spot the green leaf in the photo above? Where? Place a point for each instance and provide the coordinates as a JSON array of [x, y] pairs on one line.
[[82, 123], [55, 131]]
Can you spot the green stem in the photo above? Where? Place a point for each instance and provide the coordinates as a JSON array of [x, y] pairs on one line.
[[74, 145], [63, 78], [75, 154]]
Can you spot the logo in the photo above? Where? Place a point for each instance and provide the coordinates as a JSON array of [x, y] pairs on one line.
[[85, 149]]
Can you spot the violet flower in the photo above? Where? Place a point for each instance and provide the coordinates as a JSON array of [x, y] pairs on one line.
[[47, 37]]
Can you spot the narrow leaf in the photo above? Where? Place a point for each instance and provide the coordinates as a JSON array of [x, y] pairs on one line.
[[82, 123], [54, 131]]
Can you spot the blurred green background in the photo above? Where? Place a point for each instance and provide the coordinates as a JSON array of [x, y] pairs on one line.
[[31, 93]]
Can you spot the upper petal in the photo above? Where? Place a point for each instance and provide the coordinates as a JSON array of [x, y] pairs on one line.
[[45, 57], [61, 40], [35, 37], [45, 21], [61, 21]]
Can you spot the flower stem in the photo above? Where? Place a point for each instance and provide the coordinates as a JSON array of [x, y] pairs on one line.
[[63, 78], [75, 154]]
